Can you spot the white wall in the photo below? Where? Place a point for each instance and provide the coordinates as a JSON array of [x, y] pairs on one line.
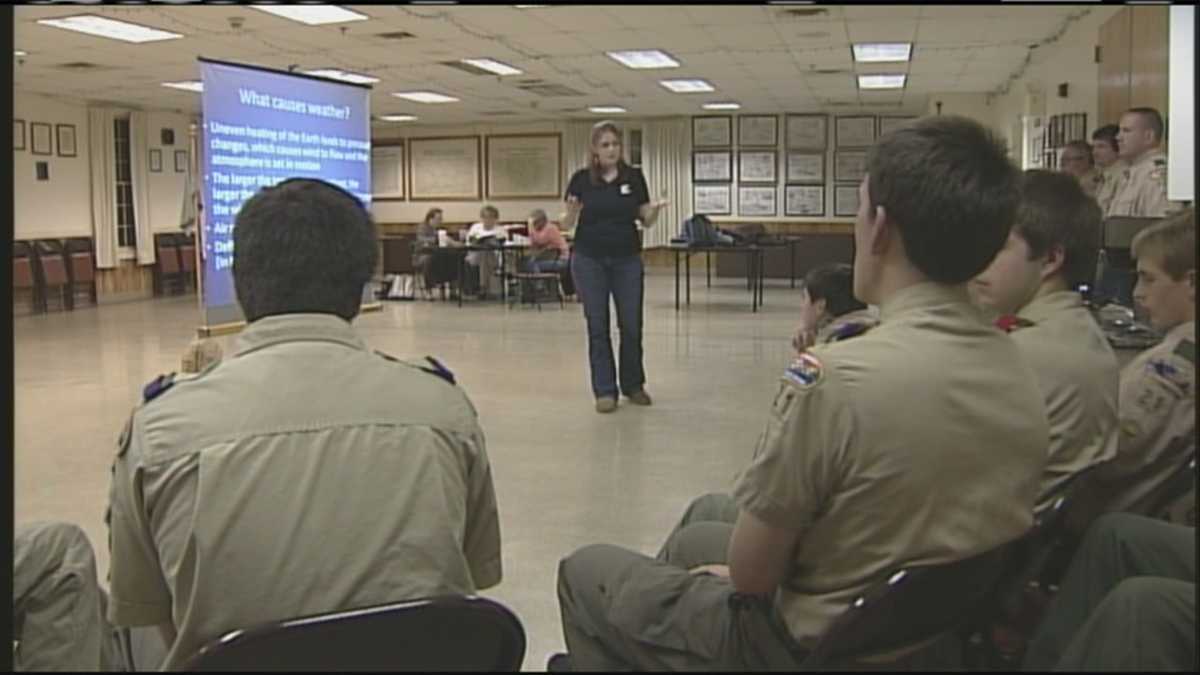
[[166, 188], [60, 206], [974, 106]]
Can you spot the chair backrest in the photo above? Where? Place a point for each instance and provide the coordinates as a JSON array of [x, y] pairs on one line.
[[82, 259], [398, 254], [451, 633], [166, 250], [53, 264], [23, 273], [912, 606]]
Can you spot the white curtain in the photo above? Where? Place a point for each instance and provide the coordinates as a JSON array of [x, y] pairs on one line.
[[576, 140], [140, 174], [102, 153], [667, 163]]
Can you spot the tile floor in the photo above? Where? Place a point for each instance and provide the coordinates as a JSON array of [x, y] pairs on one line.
[[565, 476]]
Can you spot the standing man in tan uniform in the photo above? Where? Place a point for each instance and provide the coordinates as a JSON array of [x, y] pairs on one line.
[[1051, 251], [1158, 388], [1142, 191], [1109, 166], [848, 482], [304, 473]]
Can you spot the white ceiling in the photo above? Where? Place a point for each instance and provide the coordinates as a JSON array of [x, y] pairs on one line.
[[758, 55]]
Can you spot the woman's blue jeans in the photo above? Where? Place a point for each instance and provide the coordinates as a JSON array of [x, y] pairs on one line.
[[622, 277]]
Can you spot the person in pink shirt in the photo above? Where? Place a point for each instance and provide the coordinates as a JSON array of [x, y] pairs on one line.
[[549, 251]]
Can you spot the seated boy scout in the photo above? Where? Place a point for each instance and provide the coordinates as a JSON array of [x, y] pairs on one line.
[[303, 473], [829, 312], [1157, 403], [920, 441], [1050, 251]]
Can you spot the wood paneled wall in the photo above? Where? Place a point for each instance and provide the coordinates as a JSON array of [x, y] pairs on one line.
[[127, 281], [1133, 61]]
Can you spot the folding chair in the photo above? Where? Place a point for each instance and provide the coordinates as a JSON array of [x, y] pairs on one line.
[[448, 633]]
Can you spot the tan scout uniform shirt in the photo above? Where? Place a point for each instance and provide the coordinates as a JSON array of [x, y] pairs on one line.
[[921, 441], [303, 475], [848, 325], [1077, 372], [1109, 179], [1157, 407], [1142, 191]]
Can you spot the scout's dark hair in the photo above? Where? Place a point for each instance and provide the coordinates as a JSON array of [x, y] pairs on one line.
[[1108, 134], [1172, 242], [599, 130], [1152, 119], [1083, 147], [489, 210], [303, 245], [435, 211], [1055, 211], [949, 187], [835, 285]]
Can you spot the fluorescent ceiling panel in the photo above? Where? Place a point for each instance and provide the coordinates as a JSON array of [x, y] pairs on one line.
[[493, 66], [605, 109], [895, 81], [722, 106], [882, 52], [110, 28], [313, 15], [344, 76], [644, 59], [687, 86], [425, 96], [190, 85]]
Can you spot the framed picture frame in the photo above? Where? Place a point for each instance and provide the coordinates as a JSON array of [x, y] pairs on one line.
[[845, 200], [445, 168], [757, 166], [887, 123], [804, 167], [155, 160], [855, 131], [181, 161], [804, 200], [807, 132], [387, 170], [523, 166], [712, 166], [712, 131], [65, 140], [850, 165], [757, 201], [713, 200], [18, 134], [41, 170], [41, 139], [758, 130]]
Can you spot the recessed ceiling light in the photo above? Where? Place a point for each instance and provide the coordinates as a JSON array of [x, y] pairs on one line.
[[722, 106], [493, 66], [313, 15], [344, 76], [110, 28], [425, 96], [882, 81], [398, 118], [529, 6], [606, 109], [189, 85], [882, 52], [644, 58], [687, 86], [18, 52]]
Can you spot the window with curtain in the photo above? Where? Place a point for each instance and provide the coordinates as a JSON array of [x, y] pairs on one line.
[[635, 147], [126, 222]]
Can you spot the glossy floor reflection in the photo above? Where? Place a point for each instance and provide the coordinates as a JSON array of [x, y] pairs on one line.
[[565, 476]]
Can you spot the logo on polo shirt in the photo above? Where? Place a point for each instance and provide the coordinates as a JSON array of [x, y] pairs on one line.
[[625, 189]]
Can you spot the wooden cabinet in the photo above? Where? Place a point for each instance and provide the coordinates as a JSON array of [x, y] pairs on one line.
[[1133, 61]]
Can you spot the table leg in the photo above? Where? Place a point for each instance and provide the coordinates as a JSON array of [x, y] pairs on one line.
[[762, 276], [708, 268], [687, 279], [676, 252], [504, 277], [792, 263], [752, 277], [462, 278]]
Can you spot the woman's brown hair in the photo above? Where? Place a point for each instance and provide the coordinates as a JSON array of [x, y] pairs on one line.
[[599, 130], [430, 214]]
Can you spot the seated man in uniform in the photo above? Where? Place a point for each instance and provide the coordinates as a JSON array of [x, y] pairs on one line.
[[1157, 403], [919, 442], [1127, 603], [828, 309], [1032, 283], [305, 473]]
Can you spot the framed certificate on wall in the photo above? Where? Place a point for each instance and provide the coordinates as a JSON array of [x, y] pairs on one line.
[[855, 131], [713, 200], [760, 130], [712, 165], [757, 201], [889, 122], [807, 132], [850, 165], [804, 200], [805, 167], [845, 200], [712, 131], [444, 168], [756, 166]]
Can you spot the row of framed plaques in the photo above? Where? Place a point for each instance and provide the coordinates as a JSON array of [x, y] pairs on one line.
[[759, 166], [761, 201], [802, 131]]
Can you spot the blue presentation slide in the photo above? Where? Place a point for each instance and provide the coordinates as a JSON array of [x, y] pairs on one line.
[[262, 127]]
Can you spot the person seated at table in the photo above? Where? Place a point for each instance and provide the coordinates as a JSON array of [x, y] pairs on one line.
[[548, 251], [485, 233], [427, 241], [829, 312]]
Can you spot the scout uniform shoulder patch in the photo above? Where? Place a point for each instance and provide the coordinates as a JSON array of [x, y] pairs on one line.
[[434, 368], [805, 372], [849, 330], [157, 387]]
